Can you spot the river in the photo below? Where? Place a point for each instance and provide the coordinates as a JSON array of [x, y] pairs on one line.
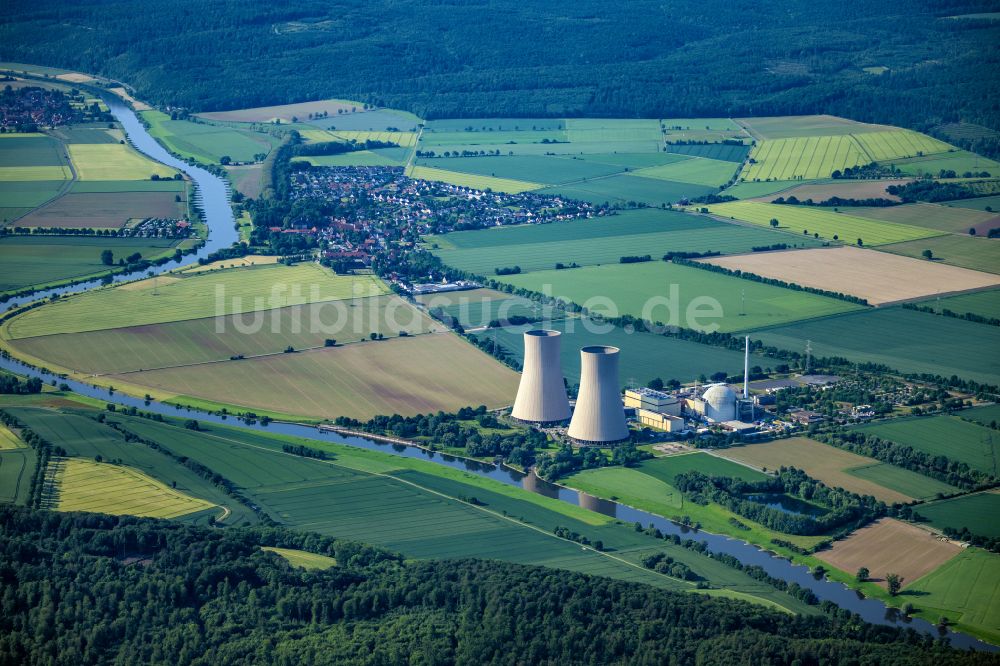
[[213, 200]]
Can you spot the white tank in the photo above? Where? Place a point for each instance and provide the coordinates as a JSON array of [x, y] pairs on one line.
[[541, 396], [720, 402], [599, 416]]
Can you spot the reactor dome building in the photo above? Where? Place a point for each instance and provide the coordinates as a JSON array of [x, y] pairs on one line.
[[718, 403], [541, 395], [599, 415]]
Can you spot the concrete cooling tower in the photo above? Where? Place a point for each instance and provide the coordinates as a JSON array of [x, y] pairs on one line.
[[599, 417], [541, 396]]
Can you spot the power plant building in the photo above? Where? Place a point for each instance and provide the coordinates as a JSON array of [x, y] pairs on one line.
[[599, 416], [717, 403], [541, 395], [652, 400]]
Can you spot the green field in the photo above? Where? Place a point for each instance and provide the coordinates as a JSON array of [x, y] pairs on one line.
[[220, 338], [174, 298], [302, 558], [829, 225], [28, 194], [929, 216], [979, 203], [471, 180], [948, 436], [549, 170], [985, 415], [902, 480], [85, 485], [643, 356], [680, 295], [979, 513], [905, 340], [354, 158], [697, 170], [596, 241], [415, 375], [802, 158], [979, 254], [966, 590], [30, 150], [84, 438], [669, 467], [16, 470], [715, 151], [751, 190], [113, 161], [982, 303], [205, 142], [959, 161], [105, 186], [623, 188], [26, 261]]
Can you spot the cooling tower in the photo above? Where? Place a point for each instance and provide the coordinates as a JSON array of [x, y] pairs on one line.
[[599, 416], [541, 396]]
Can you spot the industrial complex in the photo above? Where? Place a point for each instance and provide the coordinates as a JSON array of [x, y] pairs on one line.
[[600, 414]]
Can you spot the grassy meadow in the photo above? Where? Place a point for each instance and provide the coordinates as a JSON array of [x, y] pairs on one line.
[[941, 435], [978, 513], [205, 142]]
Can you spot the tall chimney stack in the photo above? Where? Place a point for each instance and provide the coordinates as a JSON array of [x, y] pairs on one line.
[[746, 369]]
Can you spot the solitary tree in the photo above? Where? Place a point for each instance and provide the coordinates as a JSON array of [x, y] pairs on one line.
[[972, 231], [107, 257], [895, 582], [774, 222], [862, 575], [927, 254]]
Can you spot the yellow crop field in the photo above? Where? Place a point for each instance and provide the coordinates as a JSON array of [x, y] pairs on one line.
[[474, 181], [883, 146], [829, 225], [302, 558], [404, 139], [85, 485], [114, 161], [802, 158], [27, 173], [9, 440]]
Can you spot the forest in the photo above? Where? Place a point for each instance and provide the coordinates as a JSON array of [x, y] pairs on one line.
[[689, 58], [94, 589]]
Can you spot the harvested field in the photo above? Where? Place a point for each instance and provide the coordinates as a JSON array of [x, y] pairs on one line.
[[820, 461], [898, 144], [213, 294], [933, 216], [221, 338], [809, 221], [402, 375], [114, 161], [244, 261], [286, 112], [302, 558], [85, 485], [890, 546], [879, 278], [8, 440], [782, 127], [108, 210], [845, 189]]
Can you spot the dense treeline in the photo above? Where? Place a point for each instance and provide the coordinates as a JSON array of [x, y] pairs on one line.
[[945, 312], [944, 469], [14, 384], [932, 191], [92, 589], [880, 202], [846, 510], [691, 58]]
